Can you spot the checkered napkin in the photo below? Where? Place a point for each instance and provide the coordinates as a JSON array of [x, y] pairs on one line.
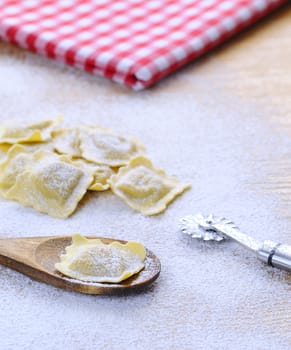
[[133, 42]]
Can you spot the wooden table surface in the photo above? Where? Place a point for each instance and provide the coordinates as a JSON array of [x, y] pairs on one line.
[[224, 124]]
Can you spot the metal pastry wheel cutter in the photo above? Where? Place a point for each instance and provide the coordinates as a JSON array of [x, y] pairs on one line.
[[213, 228]]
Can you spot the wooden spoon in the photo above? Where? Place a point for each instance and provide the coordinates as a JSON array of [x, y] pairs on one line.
[[36, 257]]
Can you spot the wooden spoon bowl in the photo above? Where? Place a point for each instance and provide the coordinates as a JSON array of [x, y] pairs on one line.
[[36, 258]]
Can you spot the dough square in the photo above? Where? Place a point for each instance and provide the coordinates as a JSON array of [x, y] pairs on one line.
[[51, 185], [144, 188], [15, 131], [102, 146], [91, 260], [14, 163]]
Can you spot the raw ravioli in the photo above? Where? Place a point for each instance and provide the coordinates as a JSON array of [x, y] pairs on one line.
[[16, 162], [15, 131], [104, 147], [4, 148], [67, 142], [35, 146], [51, 185], [145, 188], [101, 174], [57, 166], [91, 260]]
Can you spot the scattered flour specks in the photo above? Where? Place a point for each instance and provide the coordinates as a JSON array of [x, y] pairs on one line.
[[207, 296]]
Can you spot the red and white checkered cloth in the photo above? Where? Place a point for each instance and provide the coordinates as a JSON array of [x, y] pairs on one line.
[[133, 42]]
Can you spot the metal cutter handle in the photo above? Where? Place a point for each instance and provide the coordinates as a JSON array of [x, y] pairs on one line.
[[276, 254]]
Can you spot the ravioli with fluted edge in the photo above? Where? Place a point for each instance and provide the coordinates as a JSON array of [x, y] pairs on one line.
[[4, 148], [16, 162], [51, 168], [102, 146], [145, 188], [14, 131], [51, 184], [101, 174], [66, 141], [91, 260]]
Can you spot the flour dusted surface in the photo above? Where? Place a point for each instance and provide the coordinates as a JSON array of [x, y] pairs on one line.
[[207, 296]]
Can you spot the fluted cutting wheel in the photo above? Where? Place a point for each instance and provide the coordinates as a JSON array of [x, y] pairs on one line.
[[201, 226]]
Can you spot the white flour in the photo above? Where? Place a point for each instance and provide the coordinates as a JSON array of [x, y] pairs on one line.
[[208, 296]]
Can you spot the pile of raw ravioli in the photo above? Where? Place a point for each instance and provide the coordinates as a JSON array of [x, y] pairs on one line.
[[50, 168]]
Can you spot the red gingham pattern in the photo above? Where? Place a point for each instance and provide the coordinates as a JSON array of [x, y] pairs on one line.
[[133, 42]]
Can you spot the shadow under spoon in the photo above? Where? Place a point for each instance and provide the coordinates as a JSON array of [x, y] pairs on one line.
[[36, 258]]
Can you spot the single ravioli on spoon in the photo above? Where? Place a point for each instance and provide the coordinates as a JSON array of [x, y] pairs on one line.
[[91, 260]]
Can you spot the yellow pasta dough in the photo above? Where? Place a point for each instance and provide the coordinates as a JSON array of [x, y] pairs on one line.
[[4, 148], [58, 165], [15, 163], [91, 260], [101, 174], [21, 132], [66, 141], [104, 147], [145, 188], [35, 146], [51, 185]]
